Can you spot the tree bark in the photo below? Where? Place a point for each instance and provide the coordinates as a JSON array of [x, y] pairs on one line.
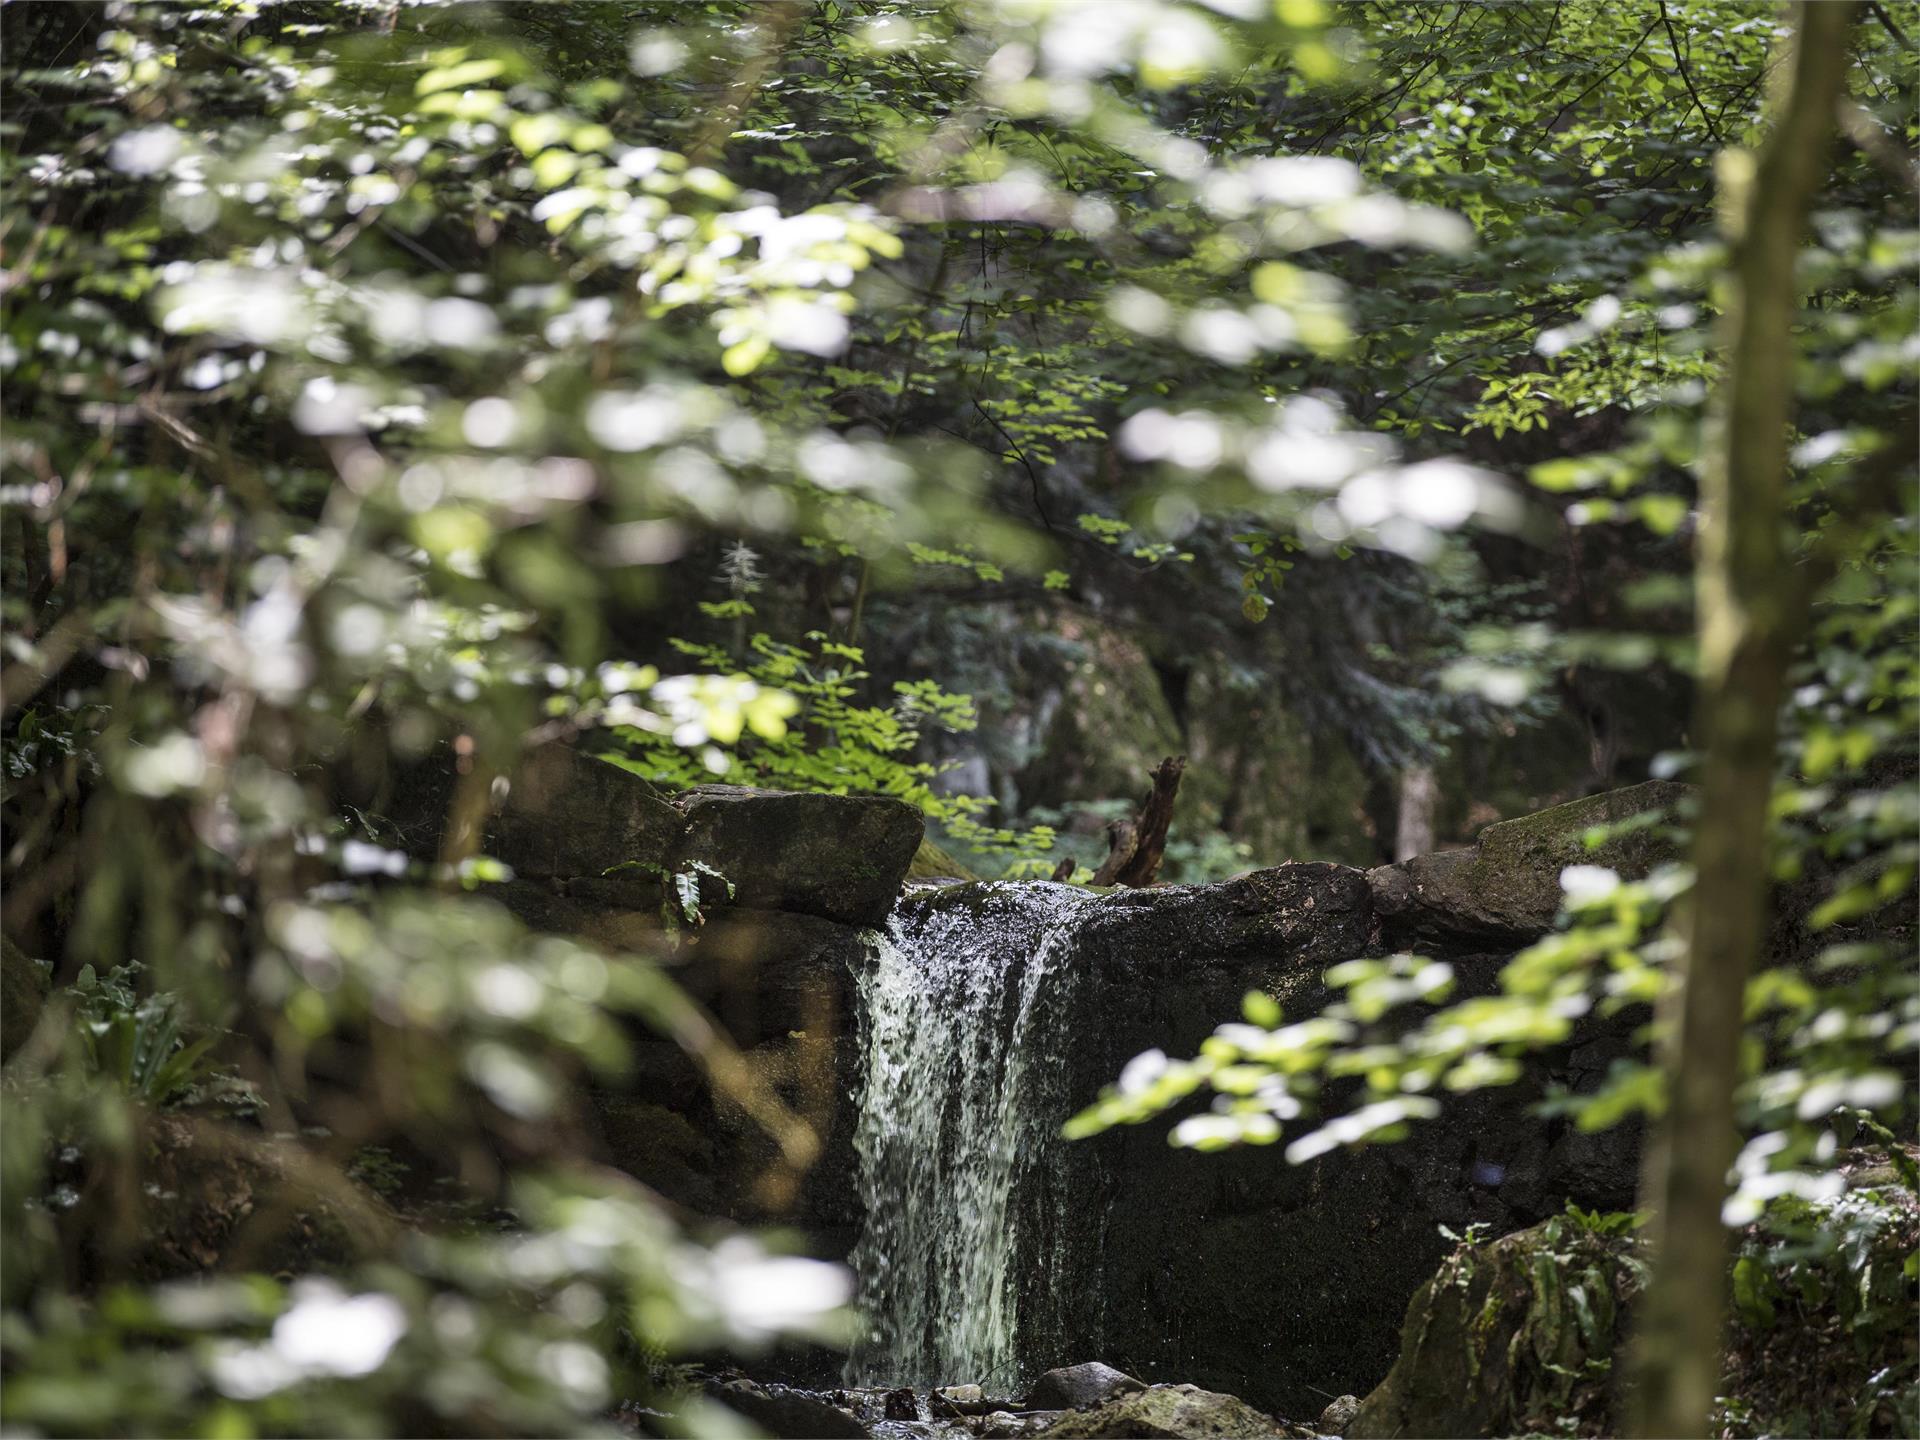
[[1419, 798], [1746, 628]]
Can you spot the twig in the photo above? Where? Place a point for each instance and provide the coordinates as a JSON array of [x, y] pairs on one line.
[[1033, 476], [1687, 75], [1886, 21]]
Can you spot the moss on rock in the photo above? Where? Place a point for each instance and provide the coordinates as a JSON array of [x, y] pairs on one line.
[[932, 862], [1508, 885], [1173, 1412], [1511, 1337]]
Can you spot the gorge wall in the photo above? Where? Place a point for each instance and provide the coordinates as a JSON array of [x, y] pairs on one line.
[[936, 1044]]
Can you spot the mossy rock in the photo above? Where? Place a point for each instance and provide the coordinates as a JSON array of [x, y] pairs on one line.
[[1173, 1412], [1516, 1336], [1507, 887]]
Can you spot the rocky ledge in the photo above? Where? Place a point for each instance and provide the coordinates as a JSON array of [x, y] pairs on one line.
[[598, 834]]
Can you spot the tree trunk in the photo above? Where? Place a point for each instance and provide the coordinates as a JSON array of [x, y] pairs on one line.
[[1746, 626], [1419, 797]]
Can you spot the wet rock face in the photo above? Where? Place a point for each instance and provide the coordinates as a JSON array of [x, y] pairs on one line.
[[1236, 1270], [1071, 1386]]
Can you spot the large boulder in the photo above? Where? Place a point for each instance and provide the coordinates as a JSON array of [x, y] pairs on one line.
[[840, 857], [1071, 1386], [1512, 1337], [1507, 886], [1173, 1412], [567, 815]]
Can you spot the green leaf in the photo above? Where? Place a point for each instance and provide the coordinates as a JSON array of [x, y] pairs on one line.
[[743, 357], [462, 76], [1260, 1009]]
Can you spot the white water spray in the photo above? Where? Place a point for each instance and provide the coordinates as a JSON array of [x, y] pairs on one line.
[[962, 1172]]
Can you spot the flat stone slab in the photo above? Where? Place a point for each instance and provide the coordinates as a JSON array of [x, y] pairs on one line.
[[840, 857], [611, 840], [1173, 1412]]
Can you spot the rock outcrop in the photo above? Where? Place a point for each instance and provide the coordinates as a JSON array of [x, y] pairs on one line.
[[769, 950], [606, 838], [1506, 887], [569, 816], [1236, 1271], [1182, 1247]]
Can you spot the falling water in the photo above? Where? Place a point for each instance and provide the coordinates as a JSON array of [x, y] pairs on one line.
[[962, 1175]]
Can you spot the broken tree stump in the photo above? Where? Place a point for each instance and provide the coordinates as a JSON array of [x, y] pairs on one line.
[[1135, 846]]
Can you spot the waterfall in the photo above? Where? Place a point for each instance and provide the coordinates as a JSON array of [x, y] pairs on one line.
[[963, 1177]]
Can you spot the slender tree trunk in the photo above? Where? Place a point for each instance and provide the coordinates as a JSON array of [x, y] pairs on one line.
[[1746, 626], [1419, 798]]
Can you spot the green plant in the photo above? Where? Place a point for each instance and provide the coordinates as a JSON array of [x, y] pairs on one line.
[[143, 1045], [376, 1167], [804, 727]]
